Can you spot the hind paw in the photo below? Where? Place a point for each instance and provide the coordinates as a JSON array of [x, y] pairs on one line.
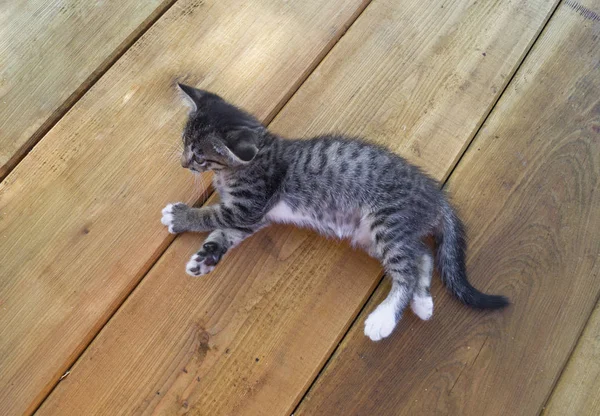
[[422, 307], [380, 323]]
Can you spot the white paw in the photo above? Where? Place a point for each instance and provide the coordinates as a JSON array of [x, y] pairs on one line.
[[422, 307], [381, 322], [168, 217], [197, 266]]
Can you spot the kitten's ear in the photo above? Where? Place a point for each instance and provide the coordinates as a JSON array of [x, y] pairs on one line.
[[241, 146], [192, 96], [245, 152]]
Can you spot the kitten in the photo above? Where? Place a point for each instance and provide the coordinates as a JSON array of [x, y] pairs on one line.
[[338, 186]]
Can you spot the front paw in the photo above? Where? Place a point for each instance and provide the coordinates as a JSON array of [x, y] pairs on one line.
[[205, 260], [174, 216]]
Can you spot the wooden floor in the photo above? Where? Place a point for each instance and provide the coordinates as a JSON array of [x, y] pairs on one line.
[[499, 100]]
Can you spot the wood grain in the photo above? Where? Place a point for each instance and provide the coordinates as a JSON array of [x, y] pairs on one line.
[[249, 338], [51, 52], [419, 78], [528, 190], [577, 390], [80, 215]]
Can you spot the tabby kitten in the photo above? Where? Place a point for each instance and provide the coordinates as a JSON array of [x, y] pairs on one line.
[[340, 187]]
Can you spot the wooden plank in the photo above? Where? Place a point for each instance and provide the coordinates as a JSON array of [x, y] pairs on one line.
[[79, 216], [528, 191], [250, 337], [51, 52], [577, 390]]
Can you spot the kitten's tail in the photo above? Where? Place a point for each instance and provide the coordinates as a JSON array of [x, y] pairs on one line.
[[450, 261]]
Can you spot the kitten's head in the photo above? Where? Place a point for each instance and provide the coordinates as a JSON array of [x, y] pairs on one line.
[[217, 135]]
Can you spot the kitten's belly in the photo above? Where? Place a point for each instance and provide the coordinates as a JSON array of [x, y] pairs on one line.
[[283, 213], [335, 224]]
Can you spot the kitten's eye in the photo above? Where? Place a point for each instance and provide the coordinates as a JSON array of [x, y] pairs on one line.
[[201, 162]]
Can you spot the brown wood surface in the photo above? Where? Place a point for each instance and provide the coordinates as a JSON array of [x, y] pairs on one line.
[[418, 76], [528, 190], [50, 52], [578, 389], [80, 215], [250, 337]]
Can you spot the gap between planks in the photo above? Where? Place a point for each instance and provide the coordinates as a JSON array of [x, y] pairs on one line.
[[443, 182], [586, 320], [542, 409], [96, 76], [467, 142], [85, 86]]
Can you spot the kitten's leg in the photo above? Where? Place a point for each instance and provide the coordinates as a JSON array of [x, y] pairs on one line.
[[180, 218], [422, 302], [363, 238], [402, 268], [214, 248]]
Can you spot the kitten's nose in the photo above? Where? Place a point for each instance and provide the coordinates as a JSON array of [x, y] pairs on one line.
[[185, 160]]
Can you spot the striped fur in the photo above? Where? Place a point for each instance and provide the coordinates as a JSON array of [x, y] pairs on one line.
[[339, 186]]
